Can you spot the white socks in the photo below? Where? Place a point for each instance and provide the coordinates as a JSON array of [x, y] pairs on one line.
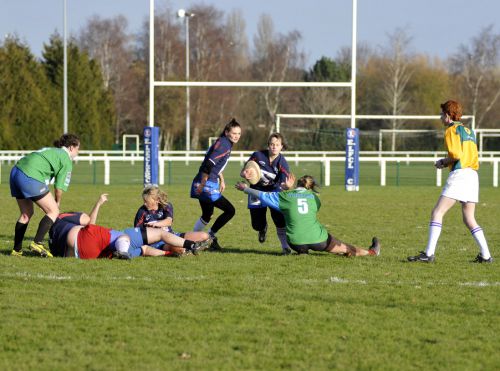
[[434, 232], [199, 225], [478, 235]]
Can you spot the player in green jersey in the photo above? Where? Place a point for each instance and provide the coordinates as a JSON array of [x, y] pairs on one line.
[[300, 207], [29, 183]]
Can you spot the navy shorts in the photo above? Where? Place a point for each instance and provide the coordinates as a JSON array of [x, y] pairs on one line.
[[22, 186]]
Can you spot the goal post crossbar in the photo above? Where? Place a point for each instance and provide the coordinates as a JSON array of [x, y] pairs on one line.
[[366, 117]]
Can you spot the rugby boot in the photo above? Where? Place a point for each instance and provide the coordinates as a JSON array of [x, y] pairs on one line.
[[214, 246], [200, 246], [121, 255], [480, 259], [40, 250], [16, 253], [375, 247], [422, 257], [262, 235]]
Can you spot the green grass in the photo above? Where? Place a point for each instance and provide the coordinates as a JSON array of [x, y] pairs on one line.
[[249, 307]]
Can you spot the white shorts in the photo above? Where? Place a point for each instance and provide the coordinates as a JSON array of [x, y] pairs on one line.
[[462, 185]]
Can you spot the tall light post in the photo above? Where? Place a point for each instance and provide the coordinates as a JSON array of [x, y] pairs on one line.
[[181, 13]]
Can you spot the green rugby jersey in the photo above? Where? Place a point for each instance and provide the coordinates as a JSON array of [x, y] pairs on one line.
[[299, 207], [48, 163]]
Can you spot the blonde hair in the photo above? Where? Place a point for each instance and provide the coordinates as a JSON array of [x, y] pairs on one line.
[[308, 182], [155, 193]]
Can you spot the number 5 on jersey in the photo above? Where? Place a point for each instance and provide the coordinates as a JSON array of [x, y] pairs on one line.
[[302, 206]]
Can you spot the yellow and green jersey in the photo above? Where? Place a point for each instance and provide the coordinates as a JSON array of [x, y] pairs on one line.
[[460, 142], [48, 163], [299, 207]]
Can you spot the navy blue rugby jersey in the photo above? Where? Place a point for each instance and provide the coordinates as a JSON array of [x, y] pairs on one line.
[[218, 154], [273, 173], [144, 215]]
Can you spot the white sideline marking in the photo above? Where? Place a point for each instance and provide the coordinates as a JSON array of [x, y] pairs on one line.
[[332, 279], [335, 279]]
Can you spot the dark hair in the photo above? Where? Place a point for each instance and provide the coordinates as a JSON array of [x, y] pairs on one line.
[[308, 182], [453, 109], [67, 140], [279, 137], [231, 124]]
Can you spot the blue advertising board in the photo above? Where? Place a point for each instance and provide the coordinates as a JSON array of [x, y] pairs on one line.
[[151, 149], [352, 160]]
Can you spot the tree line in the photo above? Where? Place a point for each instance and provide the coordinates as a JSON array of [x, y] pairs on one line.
[[108, 83]]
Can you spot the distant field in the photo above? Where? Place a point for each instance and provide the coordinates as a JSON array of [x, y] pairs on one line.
[[251, 308], [178, 173]]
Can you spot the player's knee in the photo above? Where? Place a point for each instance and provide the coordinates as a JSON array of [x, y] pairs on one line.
[[230, 211], [25, 217], [122, 244]]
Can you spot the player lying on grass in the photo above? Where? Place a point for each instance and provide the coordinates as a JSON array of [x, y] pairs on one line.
[[76, 235], [157, 212], [300, 207]]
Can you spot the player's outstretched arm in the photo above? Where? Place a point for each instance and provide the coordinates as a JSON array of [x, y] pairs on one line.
[[95, 211]]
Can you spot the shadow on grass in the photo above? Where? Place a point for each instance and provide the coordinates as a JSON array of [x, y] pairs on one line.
[[232, 250]]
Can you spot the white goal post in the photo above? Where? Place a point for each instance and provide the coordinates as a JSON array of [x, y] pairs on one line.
[[365, 117]]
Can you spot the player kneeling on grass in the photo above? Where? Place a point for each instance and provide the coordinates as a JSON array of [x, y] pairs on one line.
[[303, 230], [157, 212], [76, 235]]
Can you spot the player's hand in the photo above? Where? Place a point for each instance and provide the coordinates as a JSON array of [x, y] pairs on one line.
[[289, 182], [240, 186], [102, 198], [439, 164]]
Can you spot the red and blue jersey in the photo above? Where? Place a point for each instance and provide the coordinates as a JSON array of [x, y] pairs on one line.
[[144, 215], [273, 173], [218, 154]]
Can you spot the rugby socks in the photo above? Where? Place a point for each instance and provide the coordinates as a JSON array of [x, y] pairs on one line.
[[19, 232], [478, 235], [281, 232], [434, 232], [199, 225], [43, 228], [211, 233]]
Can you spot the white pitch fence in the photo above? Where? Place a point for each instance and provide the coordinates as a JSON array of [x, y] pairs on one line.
[[325, 158]]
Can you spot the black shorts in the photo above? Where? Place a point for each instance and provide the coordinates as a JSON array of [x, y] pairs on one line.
[[304, 249]]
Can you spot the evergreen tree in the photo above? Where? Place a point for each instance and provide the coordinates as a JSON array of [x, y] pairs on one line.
[[90, 105], [27, 120]]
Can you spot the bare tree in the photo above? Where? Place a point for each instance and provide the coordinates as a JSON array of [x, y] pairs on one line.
[[276, 57], [397, 75], [108, 42], [477, 70]]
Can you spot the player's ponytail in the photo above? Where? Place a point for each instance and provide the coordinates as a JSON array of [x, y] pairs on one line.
[[231, 124], [67, 140], [308, 182]]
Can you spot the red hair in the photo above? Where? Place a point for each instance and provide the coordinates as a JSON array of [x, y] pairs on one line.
[[453, 109]]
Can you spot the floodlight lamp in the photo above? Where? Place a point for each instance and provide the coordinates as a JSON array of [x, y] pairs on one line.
[[181, 13]]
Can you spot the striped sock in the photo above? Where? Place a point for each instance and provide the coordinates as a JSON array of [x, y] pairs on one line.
[[434, 232], [478, 235]]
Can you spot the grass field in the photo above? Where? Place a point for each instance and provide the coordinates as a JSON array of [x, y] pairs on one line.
[[251, 308]]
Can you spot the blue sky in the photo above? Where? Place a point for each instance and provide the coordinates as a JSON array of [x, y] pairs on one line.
[[437, 27]]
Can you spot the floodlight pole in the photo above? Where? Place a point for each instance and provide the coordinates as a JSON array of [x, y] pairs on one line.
[[181, 13], [65, 69]]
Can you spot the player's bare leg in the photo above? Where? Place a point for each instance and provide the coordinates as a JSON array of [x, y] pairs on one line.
[[341, 248]]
